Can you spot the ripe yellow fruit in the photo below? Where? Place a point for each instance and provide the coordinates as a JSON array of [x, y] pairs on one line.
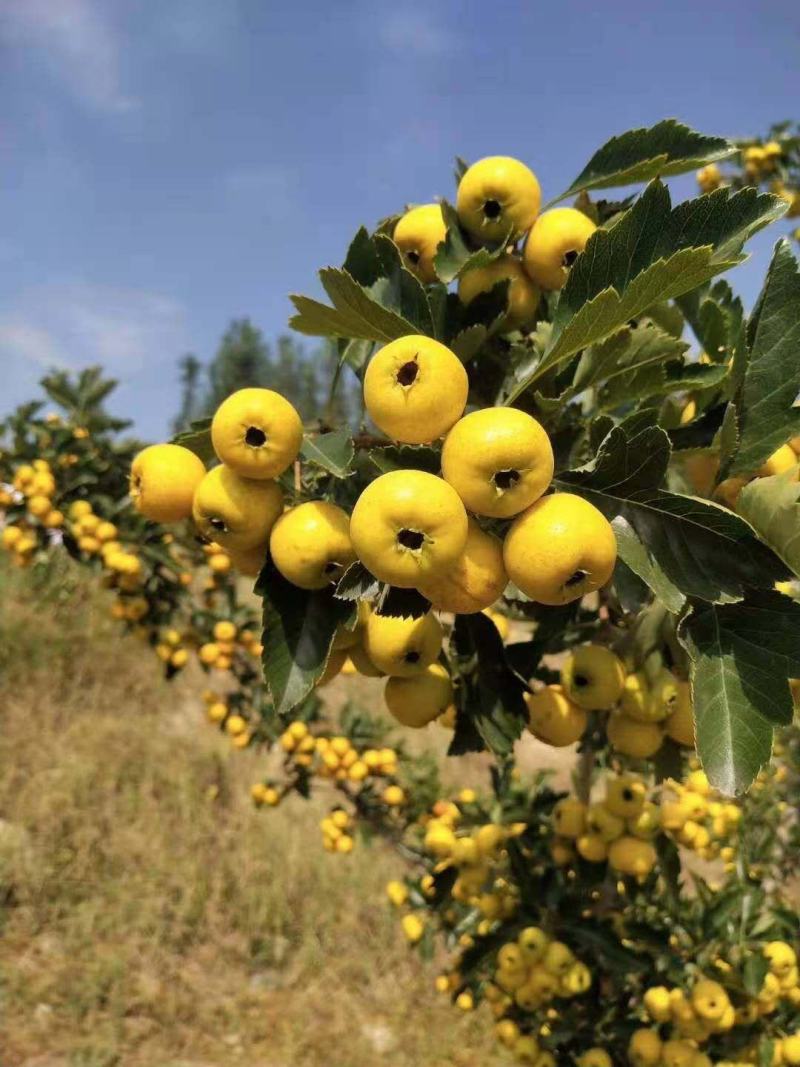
[[601, 821], [38, 505], [647, 823], [310, 544], [680, 726], [593, 677], [333, 666], [498, 460], [558, 550], [554, 243], [790, 1047], [408, 526], [400, 645], [664, 696], [247, 561], [419, 700], [709, 1000], [625, 795], [257, 433], [639, 740], [632, 855], [474, 581], [498, 196], [635, 697], [522, 297], [594, 1057], [362, 663], [236, 512], [658, 1004], [553, 718], [644, 1048], [569, 817], [415, 389], [678, 1053], [163, 483], [782, 460], [781, 957], [592, 848], [418, 234]]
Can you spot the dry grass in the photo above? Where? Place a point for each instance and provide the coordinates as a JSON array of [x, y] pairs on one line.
[[148, 915]]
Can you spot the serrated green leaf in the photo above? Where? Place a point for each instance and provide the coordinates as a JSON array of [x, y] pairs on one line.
[[657, 380], [355, 314], [667, 148], [357, 583], [654, 253], [455, 255], [332, 451], [765, 408], [624, 351], [299, 627], [679, 545], [468, 342], [398, 289], [197, 439], [362, 261], [772, 507], [754, 972], [406, 457], [742, 656], [716, 317]]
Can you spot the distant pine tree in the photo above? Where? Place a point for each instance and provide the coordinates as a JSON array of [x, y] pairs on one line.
[[190, 371], [241, 360]]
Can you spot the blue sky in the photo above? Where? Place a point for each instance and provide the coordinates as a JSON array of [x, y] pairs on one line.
[[171, 164]]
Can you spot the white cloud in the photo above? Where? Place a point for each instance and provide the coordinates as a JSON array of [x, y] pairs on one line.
[[414, 31], [75, 40], [20, 339]]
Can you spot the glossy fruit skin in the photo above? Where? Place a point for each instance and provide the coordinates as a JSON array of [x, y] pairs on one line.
[[561, 232], [508, 188], [362, 663], [419, 700], [632, 856], [640, 740], [523, 296], [593, 677], [257, 433], [418, 234], [481, 450], [237, 513], [475, 581], [163, 482], [553, 718], [558, 550], [415, 389], [680, 724], [397, 510], [782, 459], [402, 646], [310, 544], [249, 561], [333, 666]]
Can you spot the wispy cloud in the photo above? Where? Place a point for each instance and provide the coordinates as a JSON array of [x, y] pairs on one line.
[[21, 339], [415, 31], [75, 39]]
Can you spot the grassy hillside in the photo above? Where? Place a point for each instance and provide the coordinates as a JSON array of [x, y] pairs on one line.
[[148, 915]]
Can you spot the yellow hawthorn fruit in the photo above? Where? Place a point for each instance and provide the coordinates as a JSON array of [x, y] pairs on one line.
[[677, 1053], [418, 234], [657, 1004], [626, 795], [557, 958], [348, 638], [632, 856], [709, 1000], [794, 444], [728, 491], [439, 839], [393, 796], [11, 536], [522, 296], [552, 717], [689, 412], [554, 243], [362, 663], [257, 433], [781, 957], [594, 1057], [790, 1047], [635, 697], [408, 526], [526, 1049], [558, 550], [569, 817], [533, 942], [401, 645], [507, 1032], [498, 197], [415, 389], [247, 561], [593, 677], [332, 667], [310, 544], [498, 460], [640, 740], [644, 1048], [664, 696], [38, 505], [419, 700], [225, 630], [501, 623], [592, 848], [601, 821], [220, 562], [476, 580], [397, 892], [646, 824], [782, 459], [236, 512], [163, 483], [576, 981], [680, 724]]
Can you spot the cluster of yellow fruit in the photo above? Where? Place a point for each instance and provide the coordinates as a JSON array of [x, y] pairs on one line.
[[36, 484], [227, 640], [700, 818], [759, 162], [95, 536], [498, 203], [644, 710], [337, 833], [220, 713]]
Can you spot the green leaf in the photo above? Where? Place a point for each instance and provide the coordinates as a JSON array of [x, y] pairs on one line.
[[772, 507], [767, 417], [490, 695], [197, 439], [454, 255], [644, 346], [468, 342], [716, 317], [667, 148], [742, 656], [654, 380], [355, 314], [679, 545], [397, 289], [362, 261], [406, 457], [357, 583], [299, 626], [754, 972], [653, 253], [332, 451]]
